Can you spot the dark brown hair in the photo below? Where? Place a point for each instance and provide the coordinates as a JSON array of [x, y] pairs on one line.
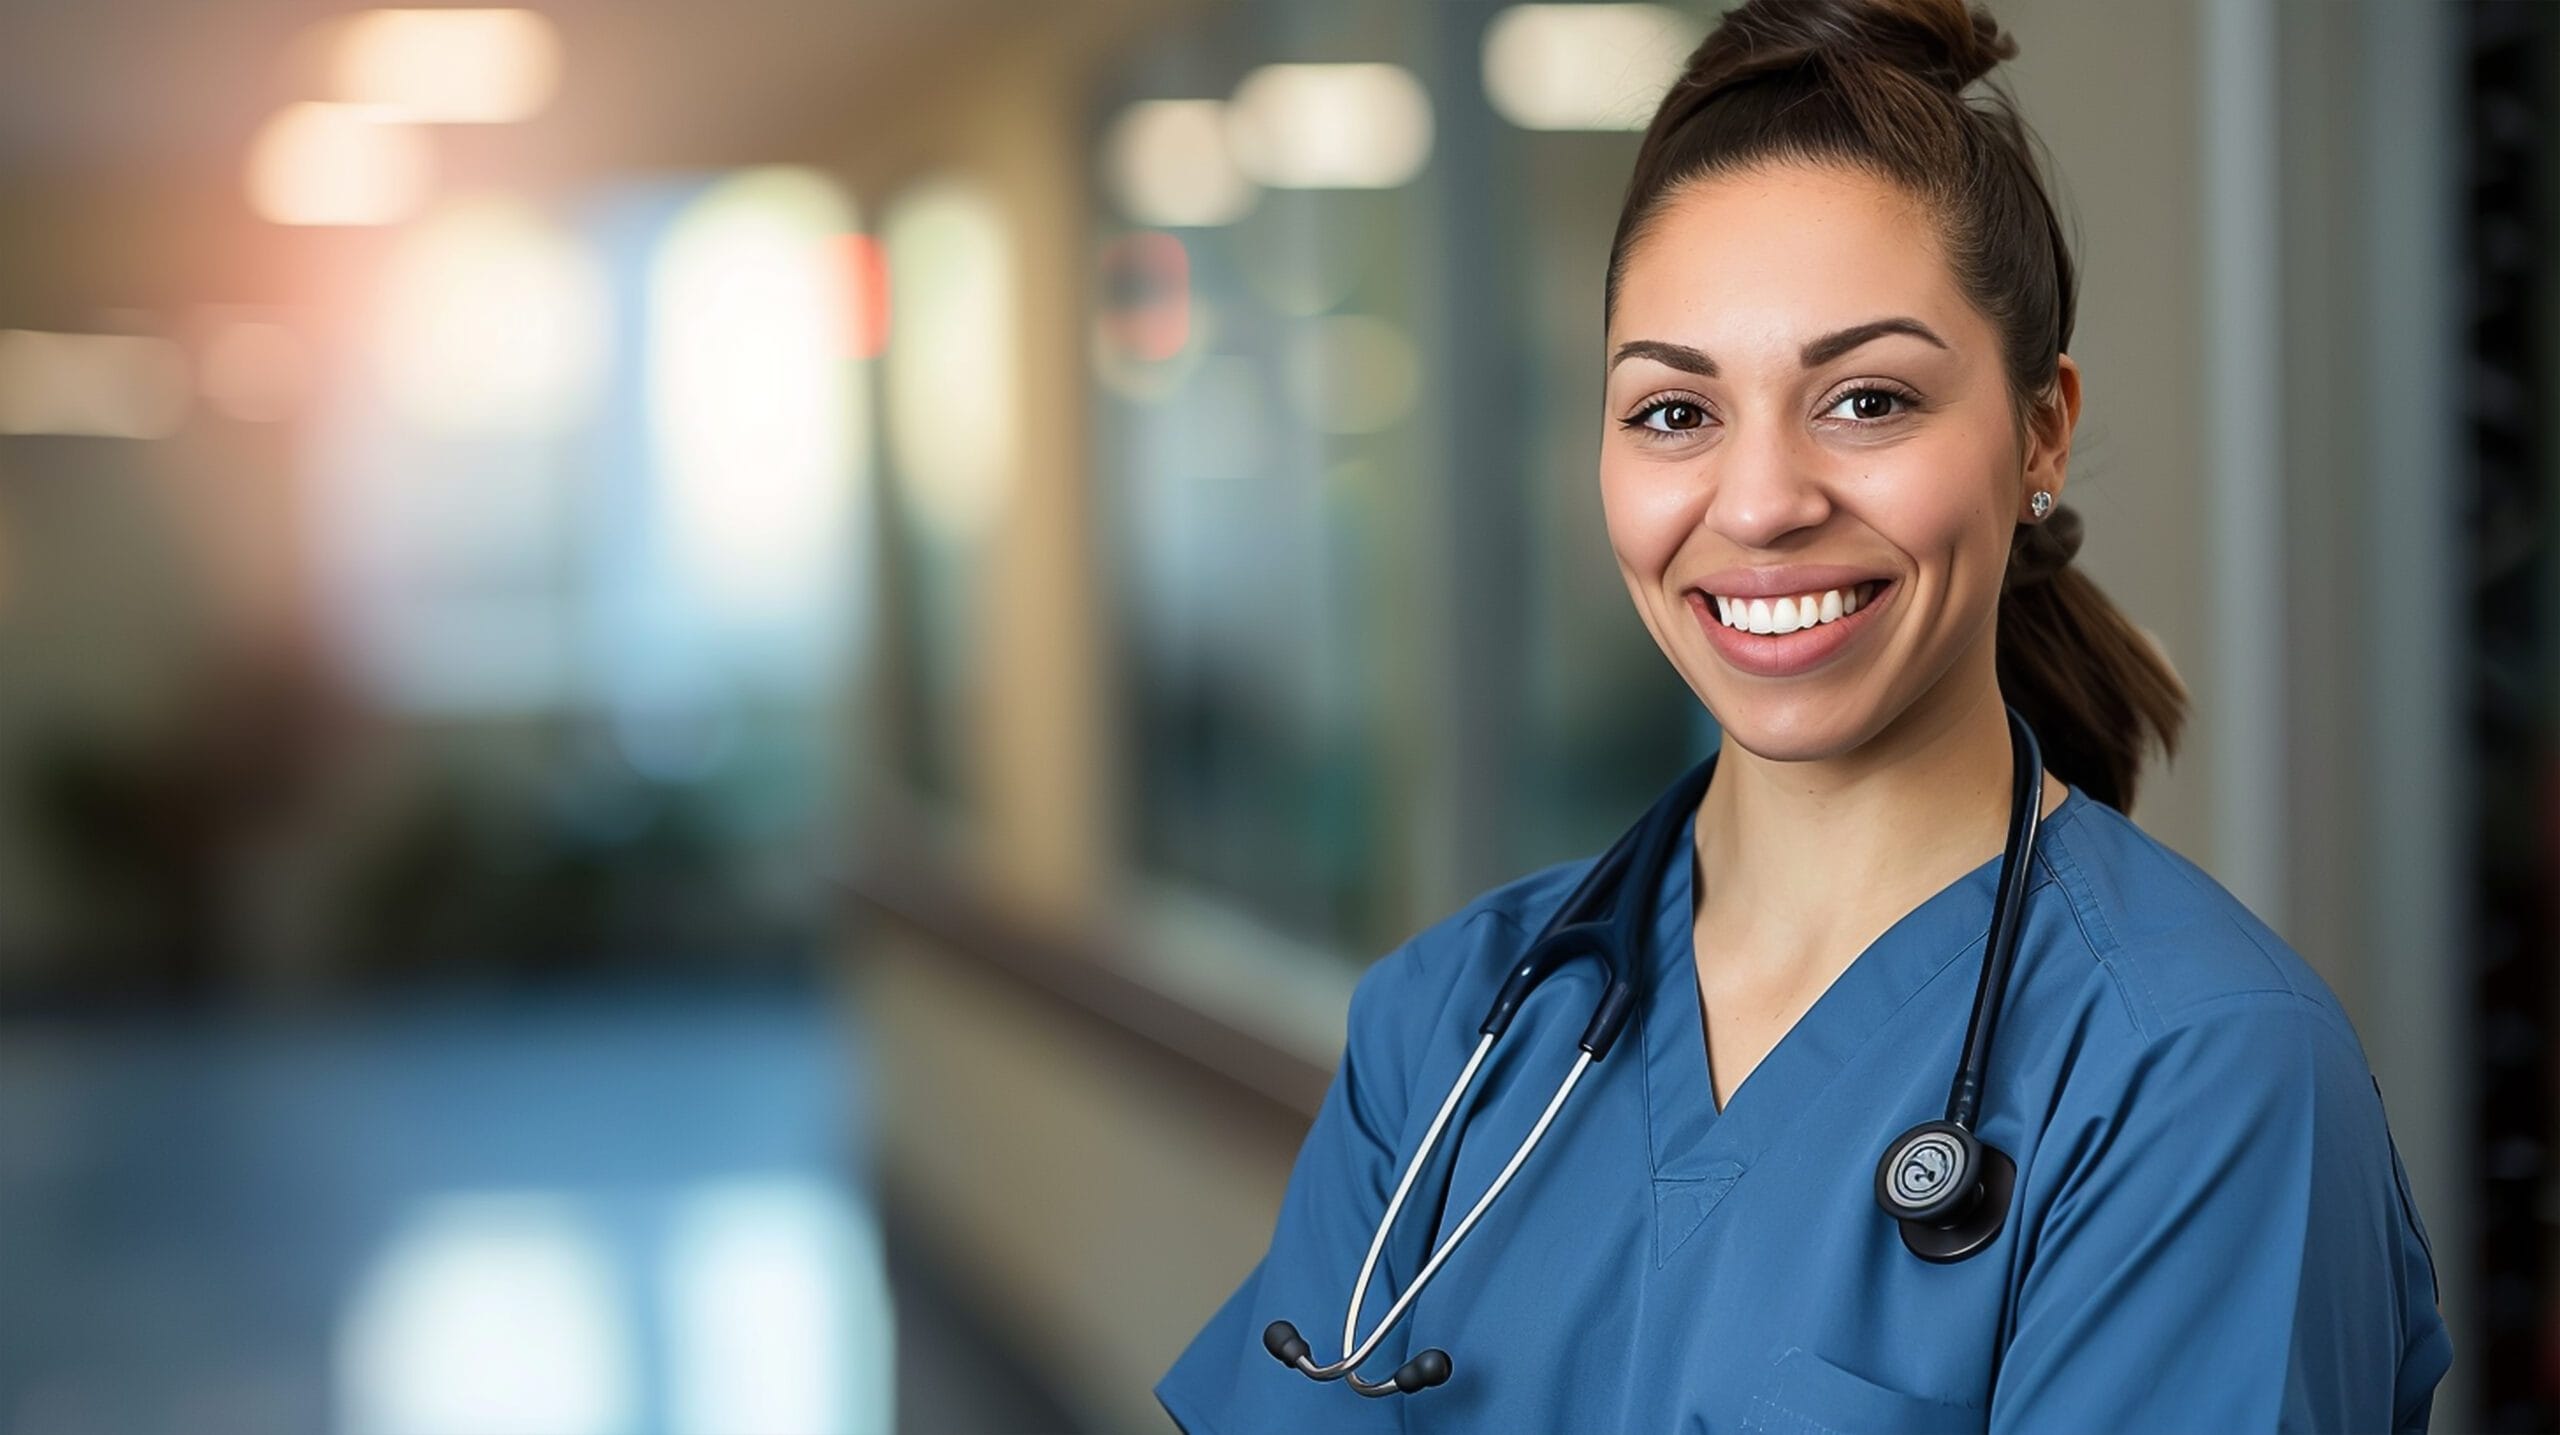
[[1878, 85]]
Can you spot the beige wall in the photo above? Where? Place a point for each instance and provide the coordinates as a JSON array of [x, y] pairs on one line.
[[1094, 1205], [2137, 467]]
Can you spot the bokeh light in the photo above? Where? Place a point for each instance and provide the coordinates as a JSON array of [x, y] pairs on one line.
[[758, 1274], [867, 292], [487, 1313], [1583, 67], [1167, 164], [953, 392], [493, 321], [752, 395], [448, 66], [323, 163], [1146, 296], [1345, 126]]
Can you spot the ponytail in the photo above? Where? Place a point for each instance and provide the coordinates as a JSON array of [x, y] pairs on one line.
[[2093, 686]]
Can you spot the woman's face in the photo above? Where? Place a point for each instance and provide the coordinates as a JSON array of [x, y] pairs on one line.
[[1802, 405]]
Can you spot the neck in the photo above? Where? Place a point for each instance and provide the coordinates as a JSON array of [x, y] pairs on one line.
[[1801, 864]]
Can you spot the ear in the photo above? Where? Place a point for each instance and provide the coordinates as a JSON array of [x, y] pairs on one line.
[[2049, 429]]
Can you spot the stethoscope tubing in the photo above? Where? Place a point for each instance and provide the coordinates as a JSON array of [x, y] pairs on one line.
[[1574, 931], [1999, 951], [1353, 1356]]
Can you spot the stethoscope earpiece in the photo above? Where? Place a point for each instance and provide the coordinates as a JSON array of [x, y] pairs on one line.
[[1428, 1369], [1285, 1344]]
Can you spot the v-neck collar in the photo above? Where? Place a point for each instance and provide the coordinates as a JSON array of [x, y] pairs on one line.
[[1704, 1150]]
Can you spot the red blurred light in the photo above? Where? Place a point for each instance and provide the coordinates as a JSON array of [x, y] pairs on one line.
[[1146, 295], [867, 296]]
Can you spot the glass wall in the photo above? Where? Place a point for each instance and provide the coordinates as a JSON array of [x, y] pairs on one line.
[[1347, 360]]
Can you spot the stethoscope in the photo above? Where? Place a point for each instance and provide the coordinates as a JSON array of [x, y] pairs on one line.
[[1948, 1190]]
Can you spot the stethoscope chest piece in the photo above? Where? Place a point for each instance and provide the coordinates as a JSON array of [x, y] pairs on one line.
[[1947, 1190]]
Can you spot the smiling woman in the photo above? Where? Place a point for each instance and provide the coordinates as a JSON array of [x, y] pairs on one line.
[[1882, 454], [2159, 1192], [1906, 399]]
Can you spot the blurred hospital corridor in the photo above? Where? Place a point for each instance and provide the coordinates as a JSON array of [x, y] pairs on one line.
[[705, 709]]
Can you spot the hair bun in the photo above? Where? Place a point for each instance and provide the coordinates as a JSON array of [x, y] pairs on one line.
[[1943, 41]]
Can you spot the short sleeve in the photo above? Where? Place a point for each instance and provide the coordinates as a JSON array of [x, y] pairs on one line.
[[2226, 1244], [1225, 1382]]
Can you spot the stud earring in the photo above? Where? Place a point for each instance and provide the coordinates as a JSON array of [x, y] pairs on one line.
[[2041, 504]]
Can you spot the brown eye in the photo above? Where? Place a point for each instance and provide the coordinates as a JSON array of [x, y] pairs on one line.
[[1872, 404], [1676, 415]]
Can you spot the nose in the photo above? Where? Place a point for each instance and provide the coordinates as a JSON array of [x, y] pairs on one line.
[[1765, 481]]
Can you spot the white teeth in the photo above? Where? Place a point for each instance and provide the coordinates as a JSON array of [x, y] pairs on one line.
[[1786, 615]]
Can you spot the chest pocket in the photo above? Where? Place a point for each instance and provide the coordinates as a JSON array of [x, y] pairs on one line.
[[1805, 1394]]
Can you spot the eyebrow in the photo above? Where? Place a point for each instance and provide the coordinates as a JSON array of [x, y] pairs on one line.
[[1816, 352]]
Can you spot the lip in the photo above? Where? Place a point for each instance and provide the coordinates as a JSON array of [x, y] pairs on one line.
[[1784, 655]]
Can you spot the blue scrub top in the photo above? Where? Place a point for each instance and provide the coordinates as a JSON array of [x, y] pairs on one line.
[[2211, 1229]]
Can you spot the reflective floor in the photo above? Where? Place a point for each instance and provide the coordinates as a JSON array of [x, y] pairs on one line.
[[563, 1215]]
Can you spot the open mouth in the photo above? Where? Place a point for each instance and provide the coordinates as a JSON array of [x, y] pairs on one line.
[[1734, 628], [1772, 617]]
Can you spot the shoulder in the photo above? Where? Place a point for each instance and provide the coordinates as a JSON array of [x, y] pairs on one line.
[[2200, 1030], [2168, 1011], [2172, 948]]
